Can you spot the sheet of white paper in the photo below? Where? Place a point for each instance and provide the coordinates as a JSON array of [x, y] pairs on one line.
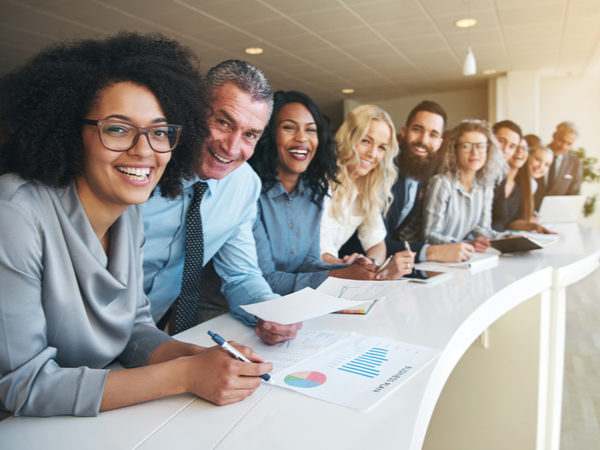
[[356, 372], [298, 307], [477, 259], [283, 355], [359, 289]]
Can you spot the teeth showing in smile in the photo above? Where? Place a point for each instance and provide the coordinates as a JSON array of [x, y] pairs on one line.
[[366, 163], [420, 150], [135, 173], [299, 152], [221, 160]]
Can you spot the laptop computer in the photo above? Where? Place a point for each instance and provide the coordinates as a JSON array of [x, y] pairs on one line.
[[561, 208]]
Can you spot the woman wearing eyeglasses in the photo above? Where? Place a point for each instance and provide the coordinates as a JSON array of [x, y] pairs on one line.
[[91, 127], [458, 201]]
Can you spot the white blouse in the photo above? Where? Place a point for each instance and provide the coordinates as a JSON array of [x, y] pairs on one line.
[[335, 233]]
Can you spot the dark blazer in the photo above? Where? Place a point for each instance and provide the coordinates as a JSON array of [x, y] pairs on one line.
[[567, 180], [390, 220]]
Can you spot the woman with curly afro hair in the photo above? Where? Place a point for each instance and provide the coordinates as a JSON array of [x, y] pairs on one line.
[[89, 128]]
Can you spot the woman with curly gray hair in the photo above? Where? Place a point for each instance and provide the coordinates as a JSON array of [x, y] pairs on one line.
[[458, 202]]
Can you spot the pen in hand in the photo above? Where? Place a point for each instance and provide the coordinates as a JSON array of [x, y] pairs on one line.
[[387, 261], [236, 354]]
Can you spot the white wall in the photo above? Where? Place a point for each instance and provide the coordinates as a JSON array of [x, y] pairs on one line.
[[459, 105], [576, 99]]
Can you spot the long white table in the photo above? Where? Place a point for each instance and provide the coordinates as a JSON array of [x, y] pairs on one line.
[[497, 383]]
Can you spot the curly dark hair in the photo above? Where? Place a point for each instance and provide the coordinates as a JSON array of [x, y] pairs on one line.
[[322, 168], [42, 103]]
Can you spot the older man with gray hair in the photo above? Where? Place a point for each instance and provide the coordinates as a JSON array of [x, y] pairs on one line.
[[213, 219], [566, 173]]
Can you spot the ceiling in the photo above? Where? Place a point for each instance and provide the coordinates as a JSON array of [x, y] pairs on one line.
[[380, 48]]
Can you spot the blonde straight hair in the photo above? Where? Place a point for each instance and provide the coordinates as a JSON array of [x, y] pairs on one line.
[[375, 188]]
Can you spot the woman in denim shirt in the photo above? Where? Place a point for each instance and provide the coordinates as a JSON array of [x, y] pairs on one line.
[[294, 159]]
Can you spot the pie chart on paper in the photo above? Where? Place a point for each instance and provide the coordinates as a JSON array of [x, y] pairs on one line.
[[305, 379]]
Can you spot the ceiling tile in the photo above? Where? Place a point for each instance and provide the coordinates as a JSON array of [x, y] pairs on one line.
[[528, 14], [326, 20], [459, 7], [406, 29], [232, 11], [360, 50], [299, 43], [292, 7], [350, 36], [534, 31], [271, 28], [385, 10]]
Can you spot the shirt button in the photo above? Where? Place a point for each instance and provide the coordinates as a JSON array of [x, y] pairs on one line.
[[291, 225], [293, 251], [289, 200]]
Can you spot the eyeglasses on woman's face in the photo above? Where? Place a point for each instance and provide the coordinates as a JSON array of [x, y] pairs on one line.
[[122, 136], [467, 147]]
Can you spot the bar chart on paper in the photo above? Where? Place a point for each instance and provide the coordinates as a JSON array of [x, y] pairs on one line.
[[358, 371], [366, 364]]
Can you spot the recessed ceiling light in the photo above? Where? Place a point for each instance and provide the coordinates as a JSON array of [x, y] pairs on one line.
[[489, 71], [347, 91], [465, 23], [254, 50]]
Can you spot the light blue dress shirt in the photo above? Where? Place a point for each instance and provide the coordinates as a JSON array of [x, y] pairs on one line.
[[67, 309], [228, 210], [286, 231]]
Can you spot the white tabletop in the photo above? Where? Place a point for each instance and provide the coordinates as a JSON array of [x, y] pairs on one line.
[[449, 316]]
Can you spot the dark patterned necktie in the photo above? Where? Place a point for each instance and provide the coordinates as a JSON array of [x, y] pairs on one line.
[[186, 314], [551, 173]]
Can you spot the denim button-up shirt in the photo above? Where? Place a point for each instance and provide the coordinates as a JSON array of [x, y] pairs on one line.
[[286, 231]]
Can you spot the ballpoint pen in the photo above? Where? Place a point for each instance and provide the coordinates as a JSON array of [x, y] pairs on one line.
[[407, 246], [385, 263], [236, 354]]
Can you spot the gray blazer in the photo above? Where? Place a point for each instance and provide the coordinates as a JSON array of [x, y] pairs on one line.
[[67, 309], [567, 181]]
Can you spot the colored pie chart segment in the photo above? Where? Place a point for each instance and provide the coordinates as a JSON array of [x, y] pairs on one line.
[[305, 379]]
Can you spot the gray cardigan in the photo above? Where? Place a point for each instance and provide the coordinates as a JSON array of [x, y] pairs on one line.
[[66, 308]]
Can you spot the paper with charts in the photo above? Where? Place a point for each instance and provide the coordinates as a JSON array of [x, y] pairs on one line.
[[284, 354], [308, 303], [356, 372]]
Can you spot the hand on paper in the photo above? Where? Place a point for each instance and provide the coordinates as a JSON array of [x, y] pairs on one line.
[[356, 258], [274, 333], [401, 264], [450, 253], [480, 244], [356, 272]]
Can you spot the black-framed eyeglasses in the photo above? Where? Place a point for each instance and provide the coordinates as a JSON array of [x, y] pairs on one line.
[[121, 136], [467, 147]]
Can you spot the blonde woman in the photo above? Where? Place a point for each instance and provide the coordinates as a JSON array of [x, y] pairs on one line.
[[367, 147], [458, 202]]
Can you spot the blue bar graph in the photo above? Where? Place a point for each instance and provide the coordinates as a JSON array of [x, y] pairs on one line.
[[367, 363]]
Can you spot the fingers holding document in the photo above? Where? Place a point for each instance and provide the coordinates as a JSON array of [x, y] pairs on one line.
[[273, 333]]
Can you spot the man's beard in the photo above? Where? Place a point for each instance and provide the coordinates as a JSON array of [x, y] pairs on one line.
[[411, 165]]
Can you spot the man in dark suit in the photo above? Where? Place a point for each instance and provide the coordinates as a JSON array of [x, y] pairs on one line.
[[566, 173], [420, 139]]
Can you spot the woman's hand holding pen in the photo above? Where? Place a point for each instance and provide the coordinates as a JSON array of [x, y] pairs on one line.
[[217, 377]]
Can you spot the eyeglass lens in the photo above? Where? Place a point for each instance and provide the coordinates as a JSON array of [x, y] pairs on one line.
[[123, 136], [481, 147]]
